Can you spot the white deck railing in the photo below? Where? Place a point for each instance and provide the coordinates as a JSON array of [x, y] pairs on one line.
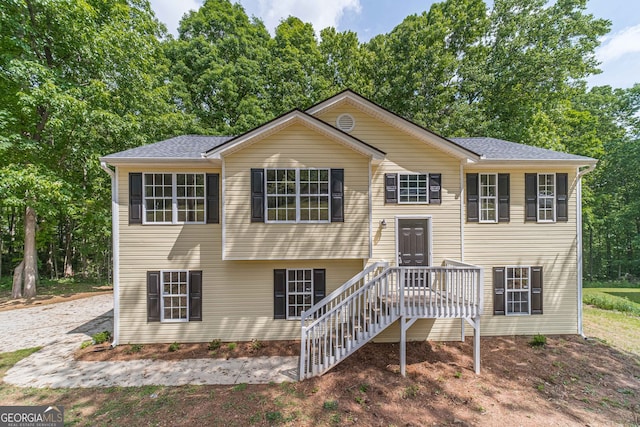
[[363, 307]]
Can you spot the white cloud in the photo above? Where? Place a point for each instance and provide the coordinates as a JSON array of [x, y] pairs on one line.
[[321, 14], [622, 43], [170, 12]]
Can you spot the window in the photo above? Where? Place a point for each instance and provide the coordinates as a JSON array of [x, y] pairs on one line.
[[488, 197], [297, 195], [175, 296], [517, 290], [546, 197], [297, 290], [413, 188], [174, 198]]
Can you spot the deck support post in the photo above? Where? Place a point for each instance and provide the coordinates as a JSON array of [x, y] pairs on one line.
[[462, 329], [476, 345], [405, 324]]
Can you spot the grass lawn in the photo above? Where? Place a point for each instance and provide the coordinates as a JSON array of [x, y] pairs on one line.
[[61, 287]]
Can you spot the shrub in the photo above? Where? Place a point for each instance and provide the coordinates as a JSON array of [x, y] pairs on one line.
[[232, 346], [215, 344], [85, 344], [538, 340], [101, 337], [611, 302], [255, 345], [174, 347], [134, 348], [330, 405]]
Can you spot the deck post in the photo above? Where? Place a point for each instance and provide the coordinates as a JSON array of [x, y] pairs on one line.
[[303, 342], [462, 329], [403, 347], [476, 345]]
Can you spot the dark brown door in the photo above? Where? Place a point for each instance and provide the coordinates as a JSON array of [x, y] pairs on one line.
[[413, 243]]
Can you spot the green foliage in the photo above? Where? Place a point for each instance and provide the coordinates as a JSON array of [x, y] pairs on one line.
[[134, 348], [614, 299], [239, 387], [538, 340], [231, 346], [7, 360], [215, 344], [101, 337], [330, 405], [256, 344], [614, 284], [86, 344], [174, 347], [274, 417], [411, 391]]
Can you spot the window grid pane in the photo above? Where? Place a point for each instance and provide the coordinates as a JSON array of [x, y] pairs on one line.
[[314, 194], [412, 188], [299, 292], [190, 197], [158, 197], [488, 197], [518, 291], [546, 197], [175, 293], [301, 196]]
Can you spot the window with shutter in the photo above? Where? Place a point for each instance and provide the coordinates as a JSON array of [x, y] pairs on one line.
[[297, 290], [174, 296], [135, 198], [517, 290], [488, 197], [546, 197]]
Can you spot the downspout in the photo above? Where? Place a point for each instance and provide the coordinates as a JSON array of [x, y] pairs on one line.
[[579, 175], [115, 236]]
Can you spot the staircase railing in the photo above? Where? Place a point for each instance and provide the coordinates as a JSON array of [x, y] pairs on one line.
[[363, 307]]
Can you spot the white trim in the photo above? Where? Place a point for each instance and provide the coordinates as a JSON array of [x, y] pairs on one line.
[[495, 199], [174, 199], [115, 242], [579, 175], [506, 290], [162, 319], [462, 208], [552, 198], [370, 200], [223, 220], [429, 219], [298, 196]]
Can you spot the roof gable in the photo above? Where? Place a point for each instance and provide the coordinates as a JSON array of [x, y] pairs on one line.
[[296, 116]]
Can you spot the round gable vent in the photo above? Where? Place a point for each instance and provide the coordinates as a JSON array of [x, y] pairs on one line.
[[345, 122]]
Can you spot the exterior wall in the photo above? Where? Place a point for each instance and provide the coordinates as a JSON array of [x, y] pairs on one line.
[[296, 147], [237, 300]]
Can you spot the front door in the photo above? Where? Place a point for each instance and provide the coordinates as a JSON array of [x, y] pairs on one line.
[[413, 243]]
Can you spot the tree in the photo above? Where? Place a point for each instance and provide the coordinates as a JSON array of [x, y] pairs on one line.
[[78, 79]]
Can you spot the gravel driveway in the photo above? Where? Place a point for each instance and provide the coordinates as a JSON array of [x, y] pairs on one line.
[[45, 324]]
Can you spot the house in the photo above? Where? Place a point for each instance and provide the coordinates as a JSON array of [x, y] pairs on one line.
[[341, 224]]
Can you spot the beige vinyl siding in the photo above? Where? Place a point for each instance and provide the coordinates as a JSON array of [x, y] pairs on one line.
[[406, 154], [296, 146], [237, 296]]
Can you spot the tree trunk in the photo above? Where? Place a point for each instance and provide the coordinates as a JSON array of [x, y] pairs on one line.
[[16, 291], [30, 254], [68, 253]]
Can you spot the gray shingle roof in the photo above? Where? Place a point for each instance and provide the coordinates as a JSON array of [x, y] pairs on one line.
[[498, 149], [180, 147]]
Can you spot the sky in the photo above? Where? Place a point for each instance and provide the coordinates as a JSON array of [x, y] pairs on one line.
[[619, 52]]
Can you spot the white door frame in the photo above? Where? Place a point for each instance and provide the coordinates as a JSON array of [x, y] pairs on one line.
[[429, 220]]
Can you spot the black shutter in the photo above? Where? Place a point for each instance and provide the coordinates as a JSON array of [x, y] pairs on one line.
[[195, 296], [435, 190], [531, 197], [153, 296], [319, 284], [257, 195], [337, 195], [473, 204], [391, 188], [503, 197], [279, 294], [536, 290], [135, 198], [498, 291], [562, 185], [213, 198]]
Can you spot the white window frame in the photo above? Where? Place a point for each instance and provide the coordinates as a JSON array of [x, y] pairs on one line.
[[494, 198], [539, 197], [418, 202], [508, 293], [174, 198], [298, 197], [310, 293], [162, 296]]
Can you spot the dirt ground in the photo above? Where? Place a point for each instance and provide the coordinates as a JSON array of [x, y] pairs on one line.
[[13, 304], [571, 381]]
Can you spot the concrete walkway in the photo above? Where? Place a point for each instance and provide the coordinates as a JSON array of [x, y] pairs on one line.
[[62, 327]]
